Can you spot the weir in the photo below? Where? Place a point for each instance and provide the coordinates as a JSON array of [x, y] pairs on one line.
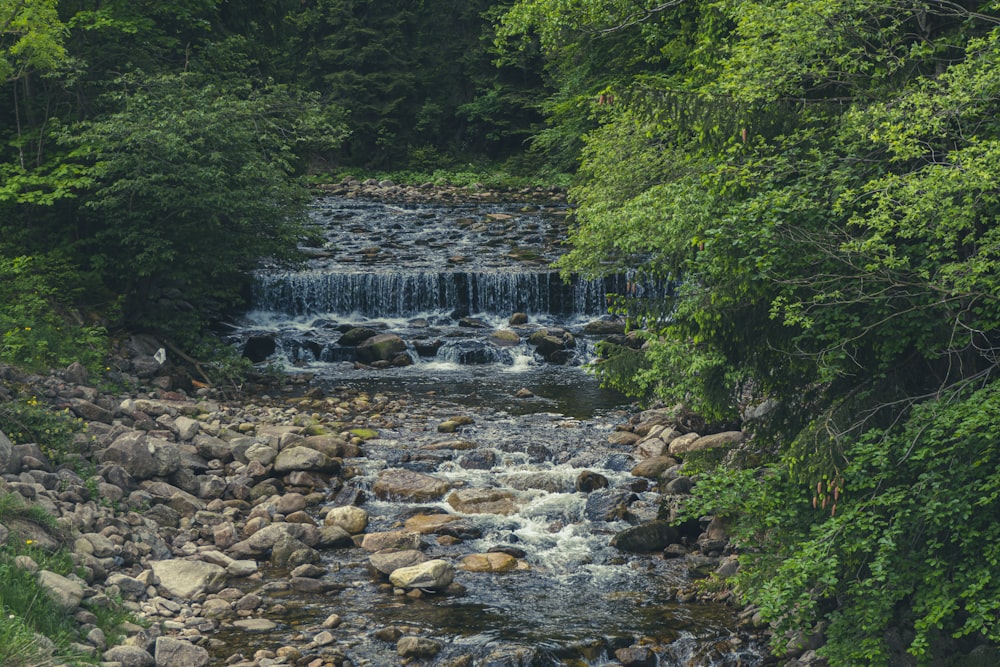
[[412, 293]]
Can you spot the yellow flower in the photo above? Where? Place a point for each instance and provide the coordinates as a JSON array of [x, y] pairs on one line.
[[29, 542], [27, 328]]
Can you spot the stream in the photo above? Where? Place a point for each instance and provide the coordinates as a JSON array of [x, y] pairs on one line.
[[444, 278]]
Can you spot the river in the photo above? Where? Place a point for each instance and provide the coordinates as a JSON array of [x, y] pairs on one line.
[[444, 278]]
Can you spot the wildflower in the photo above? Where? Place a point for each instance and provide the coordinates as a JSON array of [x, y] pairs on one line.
[[29, 542]]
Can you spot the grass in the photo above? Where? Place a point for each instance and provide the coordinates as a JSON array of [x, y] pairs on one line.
[[34, 630]]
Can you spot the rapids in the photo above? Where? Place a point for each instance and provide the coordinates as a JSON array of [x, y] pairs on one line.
[[416, 270]]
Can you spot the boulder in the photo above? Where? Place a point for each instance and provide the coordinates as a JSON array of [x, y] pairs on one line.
[[646, 537], [352, 519], [433, 575], [304, 458], [494, 561], [387, 562], [399, 484], [356, 336], [381, 347], [173, 652], [131, 451], [129, 656], [65, 592], [185, 579], [504, 338], [7, 459], [653, 467], [186, 428], [393, 539], [714, 441], [411, 647], [426, 524], [483, 501]]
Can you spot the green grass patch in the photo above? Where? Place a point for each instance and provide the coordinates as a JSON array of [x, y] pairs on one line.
[[34, 630]]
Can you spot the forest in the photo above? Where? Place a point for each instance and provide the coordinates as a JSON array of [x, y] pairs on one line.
[[818, 178]]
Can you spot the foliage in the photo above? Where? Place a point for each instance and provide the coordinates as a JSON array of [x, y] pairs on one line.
[[28, 421], [192, 187], [26, 610], [819, 178], [33, 334], [31, 36]]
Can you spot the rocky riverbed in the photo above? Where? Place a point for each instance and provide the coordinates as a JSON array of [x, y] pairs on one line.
[[214, 519]]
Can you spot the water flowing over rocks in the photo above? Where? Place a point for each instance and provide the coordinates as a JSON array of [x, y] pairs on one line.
[[433, 481], [217, 551]]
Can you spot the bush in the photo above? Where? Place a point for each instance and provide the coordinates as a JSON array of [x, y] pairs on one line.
[[33, 334]]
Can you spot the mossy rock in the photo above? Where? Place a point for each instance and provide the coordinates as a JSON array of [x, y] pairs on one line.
[[364, 433]]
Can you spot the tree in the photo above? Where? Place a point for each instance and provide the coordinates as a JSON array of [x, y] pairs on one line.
[[193, 186], [819, 179]]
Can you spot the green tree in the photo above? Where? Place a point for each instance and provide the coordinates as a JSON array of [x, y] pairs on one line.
[[819, 178], [194, 184]]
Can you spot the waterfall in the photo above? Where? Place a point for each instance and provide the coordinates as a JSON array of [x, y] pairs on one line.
[[410, 293]]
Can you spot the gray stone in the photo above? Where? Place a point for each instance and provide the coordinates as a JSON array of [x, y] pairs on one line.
[[433, 574], [89, 411], [130, 587], [255, 624], [131, 451], [64, 592], [210, 447], [173, 652], [185, 579], [260, 452], [129, 656], [645, 538], [304, 458], [7, 461], [388, 562], [417, 647], [186, 427], [398, 484], [352, 519]]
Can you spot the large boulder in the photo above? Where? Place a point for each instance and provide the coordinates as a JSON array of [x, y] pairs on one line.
[[645, 538], [173, 652], [352, 519], [304, 458], [132, 452], [483, 501], [682, 445], [66, 593], [381, 347], [399, 484], [356, 336], [186, 579], [433, 575]]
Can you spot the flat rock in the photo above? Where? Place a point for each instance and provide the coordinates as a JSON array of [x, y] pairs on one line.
[[399, 484], [483, 501], [185, 579], [434, 575]]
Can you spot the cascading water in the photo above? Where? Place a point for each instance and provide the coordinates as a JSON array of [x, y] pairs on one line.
[[418, 272]]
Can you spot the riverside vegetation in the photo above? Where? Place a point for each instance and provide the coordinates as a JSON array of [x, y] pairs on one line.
[[819, 177]]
